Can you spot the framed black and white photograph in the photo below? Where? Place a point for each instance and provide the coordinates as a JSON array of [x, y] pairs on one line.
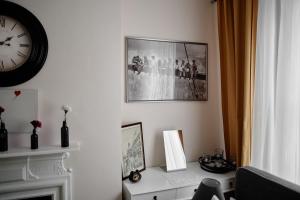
[[161, 70], [133, 157]]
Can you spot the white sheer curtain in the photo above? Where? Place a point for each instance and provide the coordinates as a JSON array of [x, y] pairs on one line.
[[276, 123]]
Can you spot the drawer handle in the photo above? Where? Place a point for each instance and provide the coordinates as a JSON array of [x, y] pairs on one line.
[[155, 198], [195, 190]]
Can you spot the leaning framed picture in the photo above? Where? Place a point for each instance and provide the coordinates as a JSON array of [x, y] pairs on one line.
[[133, 157], [163, 70]]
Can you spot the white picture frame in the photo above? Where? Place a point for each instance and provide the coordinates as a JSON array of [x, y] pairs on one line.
[[21, 107], [174, 153]]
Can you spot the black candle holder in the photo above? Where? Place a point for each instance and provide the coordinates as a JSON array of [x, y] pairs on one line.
[[3, 138], [34, 140], [64, 134], [34, 136]]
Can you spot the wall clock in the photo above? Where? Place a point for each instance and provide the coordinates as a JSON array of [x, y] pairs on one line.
[[23, 44]]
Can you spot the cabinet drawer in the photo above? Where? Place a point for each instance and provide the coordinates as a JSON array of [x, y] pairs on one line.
[[186, 192], [161, 195]]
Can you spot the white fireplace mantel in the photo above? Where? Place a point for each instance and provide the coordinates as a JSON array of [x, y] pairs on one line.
[[31, 173], [46, 150]]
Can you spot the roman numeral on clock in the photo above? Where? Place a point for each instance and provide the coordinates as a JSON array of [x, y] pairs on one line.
[[21, 54], [2, 21], [25, 45], [21, 35], [12, 60], [2, 65], [13, 27]]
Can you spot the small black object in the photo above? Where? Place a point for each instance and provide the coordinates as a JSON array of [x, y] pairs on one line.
[[3, 138], [34, 140], [135, 176], [207, 189], [64, 135], [216, 164]]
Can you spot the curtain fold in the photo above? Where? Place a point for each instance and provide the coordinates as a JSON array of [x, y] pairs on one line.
[[276, 127], [237, 40]]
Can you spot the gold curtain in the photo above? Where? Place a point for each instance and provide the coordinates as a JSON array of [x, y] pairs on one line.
[[237, 40]]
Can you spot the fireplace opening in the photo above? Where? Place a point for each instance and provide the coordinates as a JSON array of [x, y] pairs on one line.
[[39, 198]]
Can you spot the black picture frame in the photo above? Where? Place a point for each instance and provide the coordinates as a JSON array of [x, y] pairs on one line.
[[133, 154], [39, 49], [165, 70]]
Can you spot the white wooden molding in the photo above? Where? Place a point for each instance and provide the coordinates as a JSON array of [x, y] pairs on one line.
[[31, 173], [47, 150]]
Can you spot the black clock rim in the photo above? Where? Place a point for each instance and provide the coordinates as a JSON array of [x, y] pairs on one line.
[[39, 49]]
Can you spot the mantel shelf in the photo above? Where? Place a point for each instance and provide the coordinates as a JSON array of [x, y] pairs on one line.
[[43, 150]]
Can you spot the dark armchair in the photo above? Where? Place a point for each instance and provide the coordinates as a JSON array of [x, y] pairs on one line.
[[255, 184]]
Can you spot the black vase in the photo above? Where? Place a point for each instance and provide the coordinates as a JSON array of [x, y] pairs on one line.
[[3, 138], [34, 140], [64, 131]]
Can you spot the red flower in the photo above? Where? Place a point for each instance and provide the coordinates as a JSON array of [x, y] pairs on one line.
[[36, 124], [1, 110]]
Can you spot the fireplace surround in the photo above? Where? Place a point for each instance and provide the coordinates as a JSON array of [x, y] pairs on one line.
[[27, 174], [40, 198]]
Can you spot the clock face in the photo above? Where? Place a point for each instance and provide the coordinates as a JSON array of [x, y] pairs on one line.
[[23, 44], [15, 44]]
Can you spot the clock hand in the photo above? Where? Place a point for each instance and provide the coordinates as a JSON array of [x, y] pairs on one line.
[[8, 39], [3, 43]]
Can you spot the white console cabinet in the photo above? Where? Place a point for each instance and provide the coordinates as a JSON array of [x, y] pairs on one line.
[[157, 184]]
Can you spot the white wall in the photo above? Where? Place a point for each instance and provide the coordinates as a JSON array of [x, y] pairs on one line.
[[83, 70], [184, 20]]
